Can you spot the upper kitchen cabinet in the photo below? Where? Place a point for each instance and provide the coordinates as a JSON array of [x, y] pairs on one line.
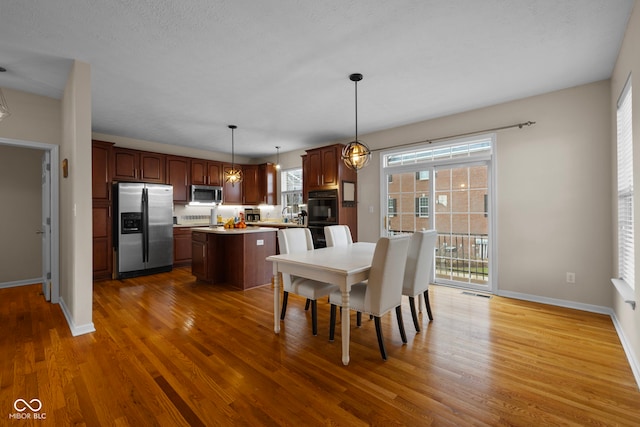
[[323, 168], [231, 193], [100, 170], [322, 164], [206, 172], [178, 177], [259, 184], [134, 165]]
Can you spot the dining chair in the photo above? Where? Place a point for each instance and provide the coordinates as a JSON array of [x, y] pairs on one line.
[[294, 240], [382, 291], [337, 235], [417, 271]]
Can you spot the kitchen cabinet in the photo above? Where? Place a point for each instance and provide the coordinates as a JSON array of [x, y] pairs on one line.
[[322, 167], [134, 165], [259, 184], [206, 172], [101, 201], [100, 170], [178, 177], [199, 256], [233, 257], [231, 193], [181, 246], [102, 247]]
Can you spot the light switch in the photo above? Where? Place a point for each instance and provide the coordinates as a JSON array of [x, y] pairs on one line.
[[260, 242]]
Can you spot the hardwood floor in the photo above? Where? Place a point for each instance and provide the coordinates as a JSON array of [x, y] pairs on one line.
[[172, 351]]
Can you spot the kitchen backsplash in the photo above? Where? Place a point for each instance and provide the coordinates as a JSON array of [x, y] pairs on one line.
[[186, 215]]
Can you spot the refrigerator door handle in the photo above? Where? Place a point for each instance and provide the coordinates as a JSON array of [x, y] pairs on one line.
[[145, 225]]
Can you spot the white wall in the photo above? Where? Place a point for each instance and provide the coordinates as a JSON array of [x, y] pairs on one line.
[[628, 62]]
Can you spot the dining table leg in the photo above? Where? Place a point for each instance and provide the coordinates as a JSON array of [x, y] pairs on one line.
[[346, 329], [276, 299]]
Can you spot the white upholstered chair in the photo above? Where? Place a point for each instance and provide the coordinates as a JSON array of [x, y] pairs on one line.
[[382, 291], [294, 240], [337, 235], [417, 270]]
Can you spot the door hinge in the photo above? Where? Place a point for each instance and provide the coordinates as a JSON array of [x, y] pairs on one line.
[[48, 221], [48, 166], [49, 277]]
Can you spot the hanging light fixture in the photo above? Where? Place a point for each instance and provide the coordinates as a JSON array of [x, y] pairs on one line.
[[233, 175], [356, 154], [278, 157], [4, 108]]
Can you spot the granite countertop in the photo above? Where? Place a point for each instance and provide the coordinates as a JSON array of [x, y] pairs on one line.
[[222, 230], [276, 224]]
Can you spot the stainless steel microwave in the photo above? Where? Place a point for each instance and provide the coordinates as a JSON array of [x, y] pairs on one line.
[[205, 195]]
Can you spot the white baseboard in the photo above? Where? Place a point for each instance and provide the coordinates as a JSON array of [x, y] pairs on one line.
[[75, 329], [20, 283], [634, 362]]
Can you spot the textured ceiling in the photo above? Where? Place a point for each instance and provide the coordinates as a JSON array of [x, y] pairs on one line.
[[179, 72]]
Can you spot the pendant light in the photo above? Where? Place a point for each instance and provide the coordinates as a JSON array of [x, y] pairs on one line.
[[4, 108], [233, 175], [277, 157], [356, 154]]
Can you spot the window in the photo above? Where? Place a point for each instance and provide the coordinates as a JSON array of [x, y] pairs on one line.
[[291, 187], [392, 207], [422, 175], [626, 267], [422, 207]]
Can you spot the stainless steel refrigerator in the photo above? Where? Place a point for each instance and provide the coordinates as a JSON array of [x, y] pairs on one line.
[[143, 228]]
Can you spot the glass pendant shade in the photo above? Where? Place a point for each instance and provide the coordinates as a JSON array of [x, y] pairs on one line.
[[356, 155], [233, 174]]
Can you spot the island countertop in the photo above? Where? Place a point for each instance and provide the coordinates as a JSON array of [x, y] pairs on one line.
[[222, 230]]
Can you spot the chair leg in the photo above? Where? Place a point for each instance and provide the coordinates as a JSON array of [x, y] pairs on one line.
[[306, 305], [358, 319], [414, 315], [426, 302], [285, 297], [332, 323], [383, 352], [314, 317], [401, 323]]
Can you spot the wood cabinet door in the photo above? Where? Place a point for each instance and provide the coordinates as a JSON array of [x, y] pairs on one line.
[[182, 246], [231, 194], [214, 173], [102, 259], [199, 256], [178, 177], [329, 166], [251, 193], [125, 163], [314, 166], [270, 183], [152, 167], [100, 170]]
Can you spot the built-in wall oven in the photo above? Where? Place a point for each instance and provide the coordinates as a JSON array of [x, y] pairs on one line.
[[322, 208]]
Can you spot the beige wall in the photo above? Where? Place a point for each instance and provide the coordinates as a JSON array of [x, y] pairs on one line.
[[20, 214], [76, 277], [628, 63]]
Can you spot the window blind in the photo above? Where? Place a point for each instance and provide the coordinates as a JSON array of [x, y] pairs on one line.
[[626, 255]]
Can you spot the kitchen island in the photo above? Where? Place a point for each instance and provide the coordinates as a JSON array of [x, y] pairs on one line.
[[233, 257]]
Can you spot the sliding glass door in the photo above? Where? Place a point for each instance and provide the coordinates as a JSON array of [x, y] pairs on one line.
[[447, 188]]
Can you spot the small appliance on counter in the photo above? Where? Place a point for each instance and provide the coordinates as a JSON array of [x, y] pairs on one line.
[[252, 215]]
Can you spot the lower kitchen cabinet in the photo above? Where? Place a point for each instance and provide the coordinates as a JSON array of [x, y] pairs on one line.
[[102, 250], [182, 246]]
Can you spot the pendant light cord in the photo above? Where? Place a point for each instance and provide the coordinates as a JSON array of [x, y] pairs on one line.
[[356, 82]]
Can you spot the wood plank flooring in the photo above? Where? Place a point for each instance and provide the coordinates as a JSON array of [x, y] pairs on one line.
[[171, 351]]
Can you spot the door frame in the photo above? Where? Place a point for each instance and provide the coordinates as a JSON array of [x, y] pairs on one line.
[[54, 192]]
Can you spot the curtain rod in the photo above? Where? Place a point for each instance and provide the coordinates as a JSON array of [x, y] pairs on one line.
[[518, 125]]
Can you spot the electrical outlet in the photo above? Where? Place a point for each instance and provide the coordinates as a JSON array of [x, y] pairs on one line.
[[571, 277]]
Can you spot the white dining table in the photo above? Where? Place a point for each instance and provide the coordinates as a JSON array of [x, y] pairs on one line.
[[339, 265]]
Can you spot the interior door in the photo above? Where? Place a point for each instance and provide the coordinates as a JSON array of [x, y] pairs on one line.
[[45, 230]]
